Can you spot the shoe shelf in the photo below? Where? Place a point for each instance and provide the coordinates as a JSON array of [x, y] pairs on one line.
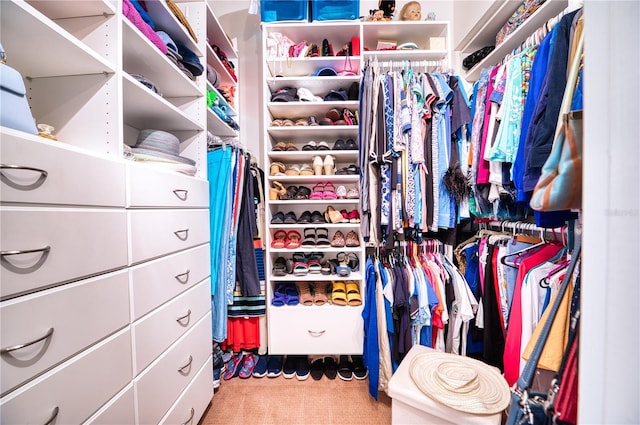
[[304, 67], [281, 110], [316, 84], [307, 156], [322, 249], [315, 131], [311, 180], [297, 226]]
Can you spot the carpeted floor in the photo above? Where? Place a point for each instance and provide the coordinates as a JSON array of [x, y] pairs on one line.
[[283, 401]]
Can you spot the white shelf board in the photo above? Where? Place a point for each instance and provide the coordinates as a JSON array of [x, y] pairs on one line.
[[317, 85], [548, 10], [217, 35], [164, 20], [61, 9], [410, 55], [312, 180], [218, 127], [144, 109], [140, 56], [307, 156], [225, 77], [315, 277], [284, 110], [301, 67], [316, 132], [43, 48]]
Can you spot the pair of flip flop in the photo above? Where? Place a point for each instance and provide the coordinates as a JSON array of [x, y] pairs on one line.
[[285, 294], [289, 240], [346, 293]]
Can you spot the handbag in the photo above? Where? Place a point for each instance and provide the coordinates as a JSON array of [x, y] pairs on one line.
[[529, 407], [560, 185], [15, 112]]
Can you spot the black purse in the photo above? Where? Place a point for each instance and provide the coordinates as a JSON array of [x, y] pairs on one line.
[[528, 407]]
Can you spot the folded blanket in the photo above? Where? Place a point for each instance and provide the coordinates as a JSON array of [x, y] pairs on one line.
[[132, 14]]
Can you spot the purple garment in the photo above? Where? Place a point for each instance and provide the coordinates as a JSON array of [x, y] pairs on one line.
[[132, 14]]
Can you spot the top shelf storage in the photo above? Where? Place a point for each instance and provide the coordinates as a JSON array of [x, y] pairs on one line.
[[484, 33]]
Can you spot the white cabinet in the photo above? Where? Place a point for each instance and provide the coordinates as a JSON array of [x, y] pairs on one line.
[[100, 254], [329, 328]]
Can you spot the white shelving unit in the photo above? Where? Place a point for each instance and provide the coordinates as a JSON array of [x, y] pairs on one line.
[[329, 328], [105, 261]]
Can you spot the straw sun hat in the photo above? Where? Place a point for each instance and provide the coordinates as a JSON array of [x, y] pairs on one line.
[[460, 382]]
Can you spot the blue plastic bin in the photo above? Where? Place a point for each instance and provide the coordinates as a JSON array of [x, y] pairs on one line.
[[284, 10], [335, 10]]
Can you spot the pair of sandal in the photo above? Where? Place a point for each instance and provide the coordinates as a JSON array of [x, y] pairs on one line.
[[346, 293], [316, 294], [299, 122], [344, 193], [323, 191], [341, 145], [340, 240], [279, 192], [284, 147], [350, 170], [285, 294], [302, 264], [316, 146], [288, 240], [298, 170], [316, 237], [347, 263], [336, 117]]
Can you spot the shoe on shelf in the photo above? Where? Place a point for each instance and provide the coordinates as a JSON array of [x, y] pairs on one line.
[[302, 369], [260, 370], [274, 366], [317, 369], [318, 165], [290, 367], [329, 165], [359, 369], [345, 368]]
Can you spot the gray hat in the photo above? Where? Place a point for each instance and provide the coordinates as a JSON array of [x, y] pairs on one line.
[[160, 144]]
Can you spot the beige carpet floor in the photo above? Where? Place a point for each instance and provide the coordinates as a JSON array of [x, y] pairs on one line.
[[256, 401]]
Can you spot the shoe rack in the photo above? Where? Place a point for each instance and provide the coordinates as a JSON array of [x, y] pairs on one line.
[[315, 254]]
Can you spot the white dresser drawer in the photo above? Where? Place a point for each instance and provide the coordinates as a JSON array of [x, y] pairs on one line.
[[80, 241], [158, 330], [156, 281], [159, 232], [315, 329], [150, 187], [79, 314], [46, 172], [158, 387], [78, 388], [193, 402], [119, 410]]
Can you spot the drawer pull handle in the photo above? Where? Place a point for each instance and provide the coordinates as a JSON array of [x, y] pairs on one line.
[[316, 333], [34, 185], [26, 344], [180, 369], [183, 277], [181, 194], [188, 421], [183, 234], [44, 251], [53, 416], [9, 265], [186, 316]]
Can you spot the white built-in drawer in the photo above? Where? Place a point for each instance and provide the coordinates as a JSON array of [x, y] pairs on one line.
[[315, 329], [66, 244], [194, 400], [160, 385], [73, 316], [77, 388], [158, 330], [119, 410], [149, 187], [156, 281], [160, 232], [47, 172]]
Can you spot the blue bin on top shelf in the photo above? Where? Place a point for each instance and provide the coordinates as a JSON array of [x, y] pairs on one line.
[[284, 10], [335, 10]]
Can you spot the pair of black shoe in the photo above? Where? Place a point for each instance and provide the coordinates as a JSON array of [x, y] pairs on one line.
[[324, 366], [352, 368]]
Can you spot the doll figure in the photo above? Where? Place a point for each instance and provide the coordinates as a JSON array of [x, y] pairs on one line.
[[388, 7], [376, 15], [411, 11]]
